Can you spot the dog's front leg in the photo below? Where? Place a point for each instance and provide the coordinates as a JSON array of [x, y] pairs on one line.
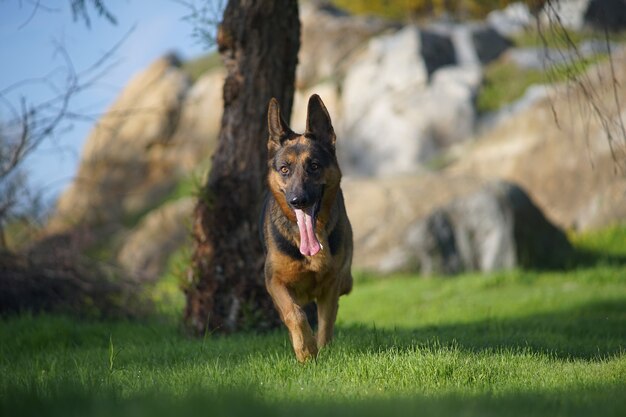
[[327, 306], [295, 319]]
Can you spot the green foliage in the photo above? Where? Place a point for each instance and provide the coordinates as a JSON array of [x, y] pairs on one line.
[[20, 232], [195, 68], [167, 294], [604, 247], [504, 82], [561, 38], [402, 9]]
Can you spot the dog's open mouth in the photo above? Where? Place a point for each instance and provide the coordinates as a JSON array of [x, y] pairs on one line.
[[309, 244]]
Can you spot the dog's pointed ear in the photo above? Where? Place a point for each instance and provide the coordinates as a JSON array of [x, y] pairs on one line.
[[277, 127], [318, 122]]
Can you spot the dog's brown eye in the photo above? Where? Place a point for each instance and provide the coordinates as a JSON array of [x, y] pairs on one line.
[[314, 166], [284, 170]]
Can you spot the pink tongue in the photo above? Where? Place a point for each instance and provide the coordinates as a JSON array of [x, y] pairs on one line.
[[309, 245]]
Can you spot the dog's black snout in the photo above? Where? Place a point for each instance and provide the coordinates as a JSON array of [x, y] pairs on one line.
[[299, 201]]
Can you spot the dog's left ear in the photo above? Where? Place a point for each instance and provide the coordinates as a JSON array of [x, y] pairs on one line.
[[318, 122], [278, 128]]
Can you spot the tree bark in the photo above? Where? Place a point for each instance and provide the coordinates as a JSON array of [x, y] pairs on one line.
[[259, 42]]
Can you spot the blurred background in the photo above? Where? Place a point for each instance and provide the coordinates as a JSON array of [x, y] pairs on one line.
[[473, 135]]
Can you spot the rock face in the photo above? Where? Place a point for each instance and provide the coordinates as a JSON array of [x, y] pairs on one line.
[[199, 122], [512, 20], [121, 170], [158, 130], [447, 225], [382, 209], [606, 14], [569, 13], [400, 107], [572, 165], [496, 228], [162, 231], [329, 38], [156, 133], [571, 171]]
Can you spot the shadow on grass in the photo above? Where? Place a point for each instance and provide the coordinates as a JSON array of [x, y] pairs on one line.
[[588, 258], [591, 331], [604, 400]]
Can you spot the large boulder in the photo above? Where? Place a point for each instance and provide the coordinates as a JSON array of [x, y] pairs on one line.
[[567, 149], [122, 170], [511, 20], [495, 228], [382, 209], [145, 251], [447, 224], [410, 95], [199, 123], [330, 37], [395, 115], [470, 43], [566, 13], [379, 133], [392, 63], [606, 14]]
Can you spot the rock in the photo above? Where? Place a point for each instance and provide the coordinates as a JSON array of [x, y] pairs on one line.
[[146, 249], [449, 105], [534, 94], [489, 44], [472, 43], [199, 123], [329, 92], [437, 50], [568, 13], [390, 138], [121, 170], [540, 58], [512, 20], [496, 228], [394, 120], [403, 101], [375, 123], [562, 152], [382, 209], [329, 39], [606, 14]]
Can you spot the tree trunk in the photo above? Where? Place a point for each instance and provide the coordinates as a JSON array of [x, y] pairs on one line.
[[259, 42]]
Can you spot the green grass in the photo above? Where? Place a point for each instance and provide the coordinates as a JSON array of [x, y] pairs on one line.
[[517, 343], [504, 82]]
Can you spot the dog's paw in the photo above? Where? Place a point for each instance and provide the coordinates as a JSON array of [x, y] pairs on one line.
[[306, 353]]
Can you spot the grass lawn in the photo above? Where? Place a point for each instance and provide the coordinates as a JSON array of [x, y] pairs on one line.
[[517, 344]]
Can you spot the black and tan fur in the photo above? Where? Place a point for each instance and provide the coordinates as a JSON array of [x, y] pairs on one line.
[[303, 170]]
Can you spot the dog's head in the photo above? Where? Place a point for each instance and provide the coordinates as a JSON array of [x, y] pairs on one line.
[[302, 167]]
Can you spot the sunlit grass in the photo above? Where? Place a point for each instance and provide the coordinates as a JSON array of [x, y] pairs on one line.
[[510, 343]]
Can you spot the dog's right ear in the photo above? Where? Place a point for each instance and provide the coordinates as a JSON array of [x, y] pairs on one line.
[[279, 131]]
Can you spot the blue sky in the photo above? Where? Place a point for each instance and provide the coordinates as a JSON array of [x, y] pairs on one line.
[[27, 51]]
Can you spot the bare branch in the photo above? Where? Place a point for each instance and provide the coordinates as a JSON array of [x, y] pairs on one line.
[[36, 7], [204, 19], [30, 124], [579, 78]]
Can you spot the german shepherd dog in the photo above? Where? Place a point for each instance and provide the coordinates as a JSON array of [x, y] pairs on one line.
[[306, 232]]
